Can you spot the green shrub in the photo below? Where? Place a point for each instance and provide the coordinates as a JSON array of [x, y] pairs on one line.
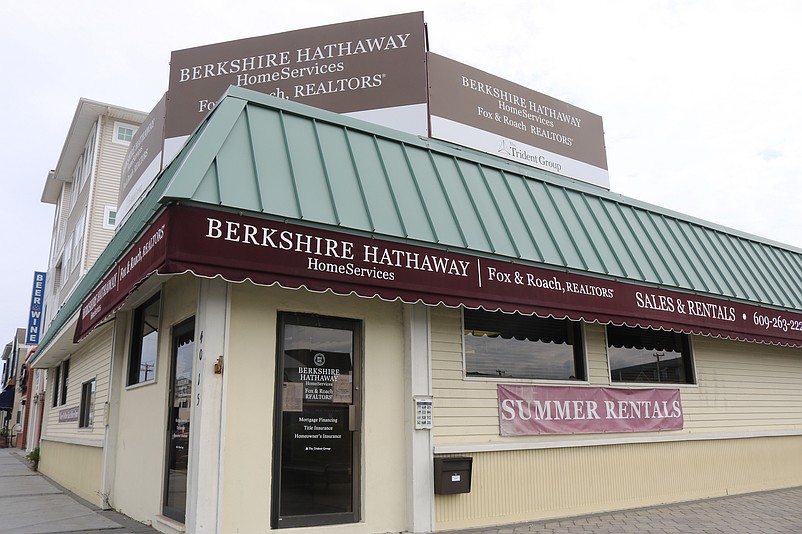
[[33, 457]]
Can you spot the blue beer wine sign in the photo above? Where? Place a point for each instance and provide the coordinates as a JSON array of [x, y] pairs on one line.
[[35, 316]]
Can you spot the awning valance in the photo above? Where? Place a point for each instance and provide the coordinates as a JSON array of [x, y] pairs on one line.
[[213, 243]]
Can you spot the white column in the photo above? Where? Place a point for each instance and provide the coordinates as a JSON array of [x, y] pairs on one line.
[[418, 364], [111, 408], [211, 330]]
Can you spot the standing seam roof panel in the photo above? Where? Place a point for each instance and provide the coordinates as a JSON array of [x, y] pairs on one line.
[[434, 197], [691, 276], [593, 233], [525, 244], [719, 261], [346, 193], [236, 155], [779, 261], [645, 245], [555, 225], [378, 195], [625, 249], [509, 215], [272, 158], [777, 287], [734, 264], [308, 170], [414, 219], [748, 269], [711, 265], [603, 233], [487, 210]]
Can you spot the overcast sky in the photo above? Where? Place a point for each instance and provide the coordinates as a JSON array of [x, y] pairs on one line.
[[701, 100]]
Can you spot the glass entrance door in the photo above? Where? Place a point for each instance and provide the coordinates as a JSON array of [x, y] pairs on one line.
[[180, 401], [315, 467]]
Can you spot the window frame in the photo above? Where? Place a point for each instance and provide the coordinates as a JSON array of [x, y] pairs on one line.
[[688, 362], [135, 347], [580, 346], [66, 255], [115, 136], [78, 241], [86, 413], [56, 384], [76, 182], [60, 382], [107, 211], [88, 158], [65, 380]]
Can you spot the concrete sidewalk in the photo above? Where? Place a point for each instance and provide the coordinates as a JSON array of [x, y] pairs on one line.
[[32, 504]]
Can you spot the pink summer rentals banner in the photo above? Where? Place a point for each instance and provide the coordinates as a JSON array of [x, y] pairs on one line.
[[527, 410]]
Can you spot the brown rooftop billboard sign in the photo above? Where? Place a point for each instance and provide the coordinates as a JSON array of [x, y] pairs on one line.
[[143, 161], [476, 109], [349, 67]]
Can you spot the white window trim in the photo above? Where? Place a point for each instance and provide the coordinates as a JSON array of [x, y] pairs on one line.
[[90, 149], [79, 241], [106, 212], [117, 126], [66, 255], [91, 425], [76, 182]]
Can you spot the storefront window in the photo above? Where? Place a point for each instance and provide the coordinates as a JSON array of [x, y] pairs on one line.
[[502, 345], [142, 363], [652, 356]]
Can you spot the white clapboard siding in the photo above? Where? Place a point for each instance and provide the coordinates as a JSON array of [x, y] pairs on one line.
[[92, 360], [106, 189]]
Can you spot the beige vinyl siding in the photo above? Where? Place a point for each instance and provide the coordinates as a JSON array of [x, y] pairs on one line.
[[106, 188], [745, 387], [73, 272], [92, 360], [742, 388], [60, 225], [743, 432], [250, 374], [143, 408], [75, 467], [525, 485]]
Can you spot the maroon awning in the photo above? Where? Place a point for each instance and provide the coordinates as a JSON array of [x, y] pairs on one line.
[[238, 248]]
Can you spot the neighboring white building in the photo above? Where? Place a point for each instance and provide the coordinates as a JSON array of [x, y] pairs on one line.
[[84, 187]]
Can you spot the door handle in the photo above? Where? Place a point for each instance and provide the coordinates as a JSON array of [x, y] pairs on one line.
[[352, 418]]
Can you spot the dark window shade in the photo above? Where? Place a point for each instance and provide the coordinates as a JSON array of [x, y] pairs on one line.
[[502, 345]]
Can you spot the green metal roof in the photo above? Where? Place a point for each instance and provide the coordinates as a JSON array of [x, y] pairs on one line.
[[266, 155], [259, 154]]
